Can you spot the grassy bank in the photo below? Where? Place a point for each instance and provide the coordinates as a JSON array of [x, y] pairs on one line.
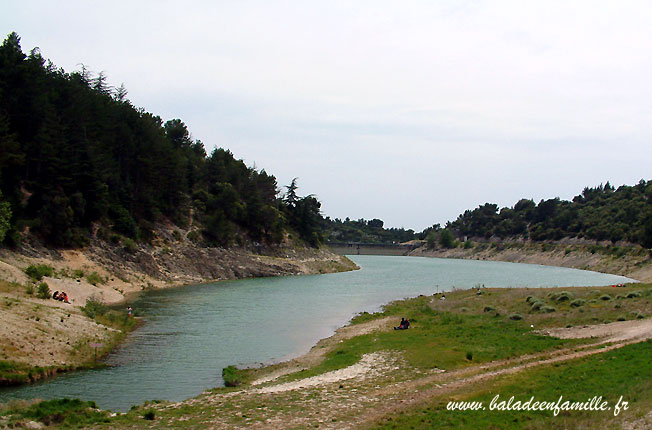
[[621, 375]]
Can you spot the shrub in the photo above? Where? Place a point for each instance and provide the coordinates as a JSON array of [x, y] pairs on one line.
[[94, 307], [64, 412], [39, 271], [469, 355], [489, 309], [446, 239], [468, 244], [605, 297], [537, 306], [548, 309], [531, 299], [78, 273], [634, 294], [564, 296], [577, 303], [29, 289], [622, 318], [43, 291], [129, 245], [231, 376], [94, 279], [177, 235], [149, 415], [515, 317]]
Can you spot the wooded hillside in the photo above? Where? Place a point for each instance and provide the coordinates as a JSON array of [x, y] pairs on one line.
[[75, 154]]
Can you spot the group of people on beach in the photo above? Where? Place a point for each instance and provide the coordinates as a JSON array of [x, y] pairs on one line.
[[61, 296]]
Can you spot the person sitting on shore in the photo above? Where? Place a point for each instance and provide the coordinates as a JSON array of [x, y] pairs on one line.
[[405, 324], [64, 297], [55, 296]]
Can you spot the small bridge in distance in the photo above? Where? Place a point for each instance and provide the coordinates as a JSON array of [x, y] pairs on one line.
[[359, 248]]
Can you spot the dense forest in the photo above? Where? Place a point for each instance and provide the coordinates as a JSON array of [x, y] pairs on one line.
[[76, 157], [600, 213]]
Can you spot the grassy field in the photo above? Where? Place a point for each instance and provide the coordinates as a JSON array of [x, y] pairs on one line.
[[619, 375]]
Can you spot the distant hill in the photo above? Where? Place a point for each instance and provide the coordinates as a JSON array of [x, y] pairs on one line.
[[77, 158]]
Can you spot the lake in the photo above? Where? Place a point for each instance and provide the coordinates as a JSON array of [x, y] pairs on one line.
[[192, 332]]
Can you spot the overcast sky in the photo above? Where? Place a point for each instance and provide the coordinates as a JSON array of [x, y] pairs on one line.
[[407, 111]]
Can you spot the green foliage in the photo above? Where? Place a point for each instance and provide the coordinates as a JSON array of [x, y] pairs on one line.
[[600, 213], [5, 217], [150, 414], [129, 245], [94, 307], [63, 412], [515, 317], [446, 239], [74, 152], [564, 296], [94, 279], [43, 291], [37, 272], [366, 231], [232, 376]]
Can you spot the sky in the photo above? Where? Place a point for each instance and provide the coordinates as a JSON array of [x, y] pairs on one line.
[[407, 111]]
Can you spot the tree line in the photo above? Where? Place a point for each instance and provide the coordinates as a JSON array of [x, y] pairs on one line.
[[75, 154], [601, 213], [364, 231]]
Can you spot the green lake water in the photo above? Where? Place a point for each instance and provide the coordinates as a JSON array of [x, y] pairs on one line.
[[191, 333]]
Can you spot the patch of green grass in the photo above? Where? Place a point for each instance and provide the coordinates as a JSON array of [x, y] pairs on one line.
[[232, 376], [438, 339], [66, 413], [94, 279], [622, 372]]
